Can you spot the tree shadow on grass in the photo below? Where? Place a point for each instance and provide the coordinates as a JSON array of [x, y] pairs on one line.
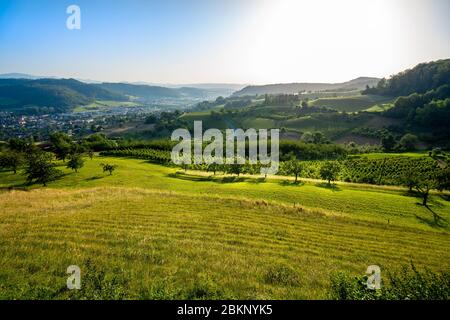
[[257, 180], [445, 197], [432, 201], [211, 178], [94, 178], [17, 187], [432, 198], [333, 187], [431, 222], [286, 183], [435, 220], [187, 177], [232, 179], [411, 193]]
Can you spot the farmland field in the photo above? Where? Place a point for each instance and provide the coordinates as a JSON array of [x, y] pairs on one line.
[[104, 105], [350, 104], [151, 231]]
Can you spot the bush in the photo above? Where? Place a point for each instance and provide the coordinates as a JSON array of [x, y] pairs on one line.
[[281, 275], [96, 284], [406, 284], [408, 142]]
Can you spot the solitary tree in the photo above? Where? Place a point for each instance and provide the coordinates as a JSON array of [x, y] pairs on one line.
[[408, 142], [388, 142], [235, 168], [438, 178], [75, 162], [11, 160], [443, 179], [426, 182], [294, 167], [62, 145], [185, 166], [330, 170], [319, 138], [40, 168], [307, 137], [423, 185], [409, 178], [19, 145], [108, 167], [213, 167]]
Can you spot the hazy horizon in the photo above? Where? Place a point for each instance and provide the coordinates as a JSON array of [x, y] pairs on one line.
[[26, 75], [227, 42]]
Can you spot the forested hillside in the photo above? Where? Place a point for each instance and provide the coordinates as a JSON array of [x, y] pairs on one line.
[[294, 88], [424, 98], [49, 95], [150, 93], [420, 79]]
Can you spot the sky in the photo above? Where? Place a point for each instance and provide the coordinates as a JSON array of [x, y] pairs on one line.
[[222, 41]]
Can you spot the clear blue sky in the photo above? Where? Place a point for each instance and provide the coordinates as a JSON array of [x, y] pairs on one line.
[[239, 41]]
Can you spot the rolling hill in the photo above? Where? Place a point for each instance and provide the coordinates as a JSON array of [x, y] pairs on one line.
[[143, 92], [294, 88], [27, 94], [152, 93], [350, 104], [152, 232], [49, 95]]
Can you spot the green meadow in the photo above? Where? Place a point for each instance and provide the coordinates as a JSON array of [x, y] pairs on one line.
[[156, 232], [351, 103], [105, 105]]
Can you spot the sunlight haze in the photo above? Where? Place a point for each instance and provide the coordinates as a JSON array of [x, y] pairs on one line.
[[266, 41]]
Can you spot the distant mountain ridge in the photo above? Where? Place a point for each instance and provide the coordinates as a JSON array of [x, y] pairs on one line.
[[148, 93], [294, 88], [24, 93], [207, 86], [16, 75]]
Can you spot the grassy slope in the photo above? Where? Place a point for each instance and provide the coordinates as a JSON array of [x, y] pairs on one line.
[[186, 236], [380, 155], [104, 105], [350, 104], [206, 118]]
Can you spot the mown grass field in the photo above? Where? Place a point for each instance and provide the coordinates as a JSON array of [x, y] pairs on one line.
[[152, 232]]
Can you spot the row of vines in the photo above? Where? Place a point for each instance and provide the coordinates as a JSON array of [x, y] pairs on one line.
[[386, 171]]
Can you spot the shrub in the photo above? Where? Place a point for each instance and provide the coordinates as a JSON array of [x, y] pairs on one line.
[[406, 284], [281, 275]]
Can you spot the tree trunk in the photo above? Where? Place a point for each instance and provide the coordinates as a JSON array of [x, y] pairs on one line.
[[296, 177], [425, 198]]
